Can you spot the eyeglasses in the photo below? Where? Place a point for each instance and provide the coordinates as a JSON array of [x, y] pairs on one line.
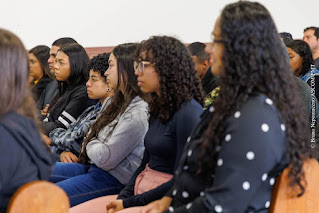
[[211, 45], [141, 65], [216, 41]]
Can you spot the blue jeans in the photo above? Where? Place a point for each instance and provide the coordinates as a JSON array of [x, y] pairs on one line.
[[84, 182]]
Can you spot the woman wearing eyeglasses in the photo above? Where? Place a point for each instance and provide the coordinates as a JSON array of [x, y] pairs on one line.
[[253, 130], [166, 72]]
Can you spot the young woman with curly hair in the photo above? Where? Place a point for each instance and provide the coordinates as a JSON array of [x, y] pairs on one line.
[[253, 130], [113, 148], [166, 71]]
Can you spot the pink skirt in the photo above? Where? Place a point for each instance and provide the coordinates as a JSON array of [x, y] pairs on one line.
[[145, 181]]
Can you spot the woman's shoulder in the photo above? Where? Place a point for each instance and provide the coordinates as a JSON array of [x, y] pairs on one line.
[[258, 105], [138, 103], [14, 118], [190, 106], [259, 110], [15, 124]]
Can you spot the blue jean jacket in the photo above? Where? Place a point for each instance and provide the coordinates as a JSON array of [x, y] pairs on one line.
[[312, 72]]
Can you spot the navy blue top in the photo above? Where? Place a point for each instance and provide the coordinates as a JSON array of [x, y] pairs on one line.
[[164, 145], [24, 156], [251, 154]]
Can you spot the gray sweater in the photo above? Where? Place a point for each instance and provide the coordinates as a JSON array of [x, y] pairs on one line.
[[120, 150]]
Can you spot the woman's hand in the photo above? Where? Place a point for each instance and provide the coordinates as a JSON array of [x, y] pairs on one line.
[[68, 157], [46, 139], [158, 205], [114, 206], [44, 112]]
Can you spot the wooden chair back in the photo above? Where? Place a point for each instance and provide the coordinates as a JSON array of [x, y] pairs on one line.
[[284, 199], [39, 197]]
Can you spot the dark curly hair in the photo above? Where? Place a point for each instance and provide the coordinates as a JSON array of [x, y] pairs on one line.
[[125, 55], [303, 50], [178, 78], [100, 63], [254, 60]]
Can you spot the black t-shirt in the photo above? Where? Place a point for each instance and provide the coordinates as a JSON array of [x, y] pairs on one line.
[[164, 145]]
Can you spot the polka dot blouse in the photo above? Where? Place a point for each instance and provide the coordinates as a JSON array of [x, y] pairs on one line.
[[251, 155]]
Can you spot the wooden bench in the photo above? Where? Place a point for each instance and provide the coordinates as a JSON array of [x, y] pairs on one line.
[[284, 199], [39, 197]]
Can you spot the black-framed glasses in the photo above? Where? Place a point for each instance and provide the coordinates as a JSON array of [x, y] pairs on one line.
[[141, 65]]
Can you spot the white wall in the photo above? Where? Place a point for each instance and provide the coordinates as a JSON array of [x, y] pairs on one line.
[[110, 22]]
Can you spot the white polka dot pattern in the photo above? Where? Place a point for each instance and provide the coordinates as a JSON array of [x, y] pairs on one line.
[[228, 137], [267, 204], [218, 208], [250, 155], [220, 162], [189, 206], [264, 177], [188, 139], [185, 194], [272, 181], [237, 114], [174, 192], [265, 127], [246, 185], [269, 101], [211, 109], [283, 127]]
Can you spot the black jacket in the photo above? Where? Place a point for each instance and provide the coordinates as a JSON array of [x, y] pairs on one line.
[[63, 113], [48, 93], [24, 157], [39, 87], [209, 82]]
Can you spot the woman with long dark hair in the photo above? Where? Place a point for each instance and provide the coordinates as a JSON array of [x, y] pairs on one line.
[[302, 64], [166, 72], [24, 157], [113, 148], [39, 70], [71, 72], [253, 129]]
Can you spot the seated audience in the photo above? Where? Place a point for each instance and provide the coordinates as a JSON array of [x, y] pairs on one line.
[[52, 88], [67, 142], [24, 157], [301, 64], [71, 71], [39, 70], [285, 37], [208, 79], [114, 146], [174, 112], [254, 128], [311, 36]]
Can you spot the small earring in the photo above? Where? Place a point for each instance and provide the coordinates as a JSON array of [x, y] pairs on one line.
[[108, 89]]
